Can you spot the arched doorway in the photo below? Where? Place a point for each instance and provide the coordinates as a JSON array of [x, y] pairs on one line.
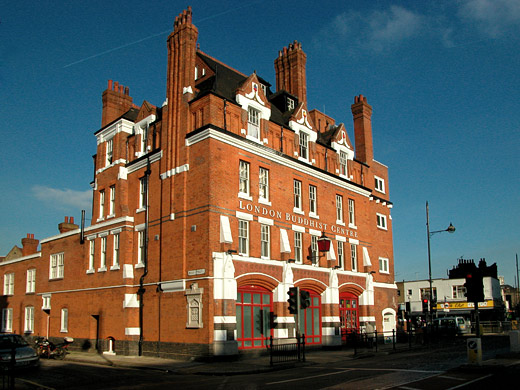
[[310, 319], [254, 308], [348, 314]]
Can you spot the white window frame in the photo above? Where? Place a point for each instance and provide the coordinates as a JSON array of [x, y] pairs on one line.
[[141, 248], [341, 255], [142, 193], [384, 265], [109, 155], [30, 285], [92, 255], [263, 185], [103, 257], [351, 213], [57, 266], [379, 184], [297, 192], [339, 210], [265, 241], [315, 260], [381, 221], [101, 204], [243, 179], [29, 319], [353, 256], [298, 247], [303, 138], [116, 251], [243, 237], [46, 302], [9, 283], [144, 138], [313, 200], [7, 319], [253, 122], [112, 205], [64, 320], [343, 158]]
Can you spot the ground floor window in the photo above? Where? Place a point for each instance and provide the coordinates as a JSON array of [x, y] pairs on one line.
[[254, 307], [310, 320], [348, 313]]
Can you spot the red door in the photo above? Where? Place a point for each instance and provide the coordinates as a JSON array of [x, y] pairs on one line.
[[254, 305], [348, 313]]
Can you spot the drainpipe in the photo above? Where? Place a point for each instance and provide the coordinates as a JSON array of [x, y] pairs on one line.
[[142, 290]]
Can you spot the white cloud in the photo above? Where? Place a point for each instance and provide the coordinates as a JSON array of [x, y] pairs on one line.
[[493, 17], [63, 198]]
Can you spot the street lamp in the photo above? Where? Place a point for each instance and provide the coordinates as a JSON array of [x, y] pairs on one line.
[[323, 246], [450, 229]]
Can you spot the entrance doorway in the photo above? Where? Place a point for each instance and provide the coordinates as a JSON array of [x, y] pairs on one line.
[[254, 308], [348, 314]]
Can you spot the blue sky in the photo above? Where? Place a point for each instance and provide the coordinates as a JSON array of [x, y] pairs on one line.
[[442, 78]]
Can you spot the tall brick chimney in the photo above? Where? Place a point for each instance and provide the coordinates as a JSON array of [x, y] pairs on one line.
[[290, 71], [67, 225], [116, 101], [362, 113], [182, 49], [29, 245]]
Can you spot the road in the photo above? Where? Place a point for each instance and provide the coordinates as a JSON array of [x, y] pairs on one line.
[[424, 369]]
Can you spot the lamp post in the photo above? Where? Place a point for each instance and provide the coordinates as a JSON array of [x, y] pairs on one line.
[[450, 229]]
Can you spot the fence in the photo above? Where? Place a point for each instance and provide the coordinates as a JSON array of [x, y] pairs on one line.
[[7, 370], [286, 352]]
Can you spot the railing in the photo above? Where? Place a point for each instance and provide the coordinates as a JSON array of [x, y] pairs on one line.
[[286, 351], [7, 369]]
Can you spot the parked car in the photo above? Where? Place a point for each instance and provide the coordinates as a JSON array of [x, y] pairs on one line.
[[451, 325], [24, 354]]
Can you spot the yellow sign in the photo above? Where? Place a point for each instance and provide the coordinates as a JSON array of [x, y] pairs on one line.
[[464, 305]]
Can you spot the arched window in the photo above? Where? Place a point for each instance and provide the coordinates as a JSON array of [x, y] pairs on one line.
[[254, 308]]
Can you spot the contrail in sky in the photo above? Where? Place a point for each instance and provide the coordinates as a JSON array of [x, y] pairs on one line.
[[158, 34]]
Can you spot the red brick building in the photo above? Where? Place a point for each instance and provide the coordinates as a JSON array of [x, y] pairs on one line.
[[206, 210]]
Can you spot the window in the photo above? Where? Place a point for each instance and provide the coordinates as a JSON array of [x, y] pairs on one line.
[[341, 256], [141, 252], [297, 195], [92, 246], [383, 265], [253, 123], [30, 286], [263, 184], [339, 209], [304, 145], [253, 312], [351, 213], [101, 203], [343, 163], [142, 193], [290, 104], [298, 255], [265, 241], [243, 237], [312, 200], [112, 210], [9, 284], [381, 221], [46, 302], [56, 266], [310, 320], [459, 292], [425, 293], [29, 319], [103, 263], [115, 259], [314, 250], [144, 138], [243, 184], [109, 152], [353, 256], [7, 320], [64, 320], [379, 184]]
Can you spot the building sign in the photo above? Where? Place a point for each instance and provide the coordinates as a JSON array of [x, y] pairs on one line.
[[296, 219], [464, 305]]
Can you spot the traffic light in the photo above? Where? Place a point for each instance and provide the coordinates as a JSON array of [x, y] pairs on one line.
[[293, 299], [425, 305], [474, 287], [305, 299]]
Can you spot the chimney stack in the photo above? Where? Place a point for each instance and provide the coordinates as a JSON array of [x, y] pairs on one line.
[[290, 71], [67, 225], [116, 101], [29, 245], [362, 113]]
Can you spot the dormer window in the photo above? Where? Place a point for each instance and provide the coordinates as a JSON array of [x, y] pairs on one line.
[[304, 145], [343, 163], [144, 138], [253, 123], [109, 152], [264, 89]]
